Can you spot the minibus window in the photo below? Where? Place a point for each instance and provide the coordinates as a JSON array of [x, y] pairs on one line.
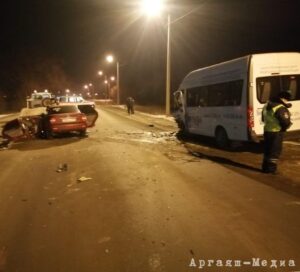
[[269, 87], [292, 83], [216, 95]]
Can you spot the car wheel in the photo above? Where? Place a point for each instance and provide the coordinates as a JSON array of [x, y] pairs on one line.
[[46, 102], [82, 133], [221, 138], [48, 134]]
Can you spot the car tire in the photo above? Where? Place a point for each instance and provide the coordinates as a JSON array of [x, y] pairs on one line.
[[82, 133], [221, 138], [46, 102], [48, 134]]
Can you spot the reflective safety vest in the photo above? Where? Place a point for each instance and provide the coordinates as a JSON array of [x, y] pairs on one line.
[[271, 122]]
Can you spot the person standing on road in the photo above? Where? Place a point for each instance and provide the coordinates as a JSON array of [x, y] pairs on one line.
[[130, 105], [277, 119]]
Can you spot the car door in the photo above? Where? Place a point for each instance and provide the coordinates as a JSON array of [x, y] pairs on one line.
[[91, 114]]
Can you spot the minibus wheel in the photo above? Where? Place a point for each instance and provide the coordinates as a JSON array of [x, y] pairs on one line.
[[221, 138]]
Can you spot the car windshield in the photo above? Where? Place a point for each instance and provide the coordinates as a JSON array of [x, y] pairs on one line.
[[63, 109]]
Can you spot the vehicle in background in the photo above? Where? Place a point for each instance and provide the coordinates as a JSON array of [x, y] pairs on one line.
[[47, 122], [225, 101], [74, 99], [39, 99]]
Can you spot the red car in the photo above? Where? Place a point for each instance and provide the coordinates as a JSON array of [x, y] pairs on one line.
[[55, 120], [63, 118]]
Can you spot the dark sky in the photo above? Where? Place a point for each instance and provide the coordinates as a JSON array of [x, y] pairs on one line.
[[79, 33]]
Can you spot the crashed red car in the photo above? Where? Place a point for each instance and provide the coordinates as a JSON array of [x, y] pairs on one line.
[[62, 119], [47, 122]]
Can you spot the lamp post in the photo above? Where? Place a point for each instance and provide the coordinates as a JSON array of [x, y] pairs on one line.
[[100, 73], [168, 70], [91, 89], [87, 88], [110, 59], [107, 87], [153, 8]]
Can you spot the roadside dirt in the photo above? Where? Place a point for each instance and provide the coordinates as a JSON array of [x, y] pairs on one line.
[[247, 159], [244, 159]]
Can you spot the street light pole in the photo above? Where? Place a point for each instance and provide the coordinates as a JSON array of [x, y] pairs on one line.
[[153, 8], [110, 59], [106, 86], [168, 70], [118, 84]]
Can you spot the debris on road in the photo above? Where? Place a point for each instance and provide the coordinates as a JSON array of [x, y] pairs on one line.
[[4, 144], [81, 179], [104, 240], [62, 167]]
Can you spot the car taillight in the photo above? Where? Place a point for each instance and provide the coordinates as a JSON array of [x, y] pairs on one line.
[[250, 117], [52, 120], [83, 118]]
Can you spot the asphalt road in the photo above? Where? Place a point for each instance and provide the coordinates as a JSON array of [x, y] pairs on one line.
[[145, 202]]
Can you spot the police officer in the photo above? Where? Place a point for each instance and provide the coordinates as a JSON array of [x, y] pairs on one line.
[[277, 119]]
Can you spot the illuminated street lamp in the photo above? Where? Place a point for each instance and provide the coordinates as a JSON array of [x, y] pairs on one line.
[[90, 89], [107, 87], [110, 59], [151, 7], [100, 73], [154, 8]]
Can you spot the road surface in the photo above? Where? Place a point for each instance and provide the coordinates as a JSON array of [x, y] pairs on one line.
[[135, 198]]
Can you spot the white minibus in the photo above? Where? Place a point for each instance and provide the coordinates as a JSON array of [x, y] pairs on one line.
[[225, 100]]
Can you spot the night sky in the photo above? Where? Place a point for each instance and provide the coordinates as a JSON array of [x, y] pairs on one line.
[[73, 37]]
